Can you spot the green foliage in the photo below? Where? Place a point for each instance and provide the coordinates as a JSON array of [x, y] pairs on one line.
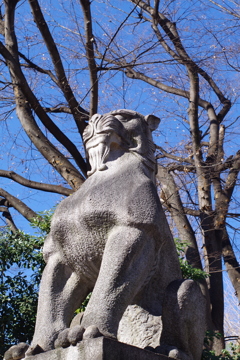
[[231, 353], [188, 272], [84, 304], [43, 222], [21, 266]]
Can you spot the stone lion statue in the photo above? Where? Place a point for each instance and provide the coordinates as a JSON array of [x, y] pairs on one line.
[[111, 238]]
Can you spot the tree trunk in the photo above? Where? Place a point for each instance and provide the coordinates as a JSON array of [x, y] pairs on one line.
[[173, 202], [230, 261]]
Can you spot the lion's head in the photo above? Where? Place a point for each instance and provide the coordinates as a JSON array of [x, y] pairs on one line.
[[123, 129]]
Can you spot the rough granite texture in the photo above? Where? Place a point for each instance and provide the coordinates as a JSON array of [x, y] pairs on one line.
[[99, 349], [111, 237]]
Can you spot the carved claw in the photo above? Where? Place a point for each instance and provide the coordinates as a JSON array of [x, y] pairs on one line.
[[16, 352], [75, 334], [62, 339], [71, 336], [91, 332], [178, 354], [172, 352]]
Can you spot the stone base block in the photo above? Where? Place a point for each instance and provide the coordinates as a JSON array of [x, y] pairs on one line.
[[99, 349]]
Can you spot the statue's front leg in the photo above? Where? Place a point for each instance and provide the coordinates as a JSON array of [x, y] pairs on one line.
[[61, 293], [127, 261]]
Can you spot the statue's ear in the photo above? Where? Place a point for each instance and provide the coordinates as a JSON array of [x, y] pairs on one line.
[[153, 121]]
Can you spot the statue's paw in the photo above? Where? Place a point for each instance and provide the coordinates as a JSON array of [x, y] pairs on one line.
[[71, 336], [179, 355], [75, 334], [16, 352], [172, 352], [91, 332], [62, 339]]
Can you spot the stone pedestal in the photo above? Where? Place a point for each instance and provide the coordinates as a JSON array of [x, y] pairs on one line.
[[99, 349]]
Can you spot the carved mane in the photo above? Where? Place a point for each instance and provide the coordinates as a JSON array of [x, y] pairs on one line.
[[130, 130]]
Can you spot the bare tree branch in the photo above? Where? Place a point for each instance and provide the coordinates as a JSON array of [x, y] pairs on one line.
[[179, 167], [20, 81], [58, 109], [10, 223], [58, 161], [231, 263], [90, 56], [10, 53], [192, 212], [4, 202], [22, 208], [78, 112], [213, 135], [34, 184], [223, 195], [174, 204], [181, 55], [132, 74], [54, 156], [224, 8], [33, 66], [174, 157]]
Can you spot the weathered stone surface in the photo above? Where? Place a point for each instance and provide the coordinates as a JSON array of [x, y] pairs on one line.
[[183, 320], [16, 351], [99, 349], [111, 237]]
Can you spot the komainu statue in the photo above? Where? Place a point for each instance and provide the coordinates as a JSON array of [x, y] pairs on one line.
[[111, 238]]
